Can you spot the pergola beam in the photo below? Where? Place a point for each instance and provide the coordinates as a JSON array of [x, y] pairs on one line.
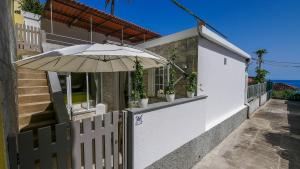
[[136, 35], [118, 30]]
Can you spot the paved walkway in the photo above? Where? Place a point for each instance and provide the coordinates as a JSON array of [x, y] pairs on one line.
[[269, 140]]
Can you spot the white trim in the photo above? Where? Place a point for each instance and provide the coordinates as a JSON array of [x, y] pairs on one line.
[[208, 34], [205, 32], [170, 38]]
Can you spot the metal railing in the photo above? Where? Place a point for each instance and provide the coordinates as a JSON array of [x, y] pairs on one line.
[[256, 90]]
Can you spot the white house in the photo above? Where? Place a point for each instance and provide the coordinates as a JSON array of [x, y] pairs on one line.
[[179, 134]]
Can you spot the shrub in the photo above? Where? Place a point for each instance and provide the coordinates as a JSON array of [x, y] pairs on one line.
[[138, 91], [33, 6], [170, 89], [192, 82], [283, 94]]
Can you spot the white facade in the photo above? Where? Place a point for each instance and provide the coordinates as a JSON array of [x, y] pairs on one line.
[[31, 19], [221, 77], [164, 130]]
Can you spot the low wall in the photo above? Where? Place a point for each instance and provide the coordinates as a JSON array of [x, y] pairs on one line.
[[192, 152], [163, 127], [172, 135], [263, 99], [253, 105]]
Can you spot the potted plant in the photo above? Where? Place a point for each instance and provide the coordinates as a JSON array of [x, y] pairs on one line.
[[192, 85], [138, 85], [170, 89]]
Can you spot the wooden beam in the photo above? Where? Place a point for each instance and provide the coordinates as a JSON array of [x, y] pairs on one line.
[[136, 35], [118, 30], [76, 18]]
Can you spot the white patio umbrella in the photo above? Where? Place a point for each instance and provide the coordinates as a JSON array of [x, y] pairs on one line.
[[92, 58]]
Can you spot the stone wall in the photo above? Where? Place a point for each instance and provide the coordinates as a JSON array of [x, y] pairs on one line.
[[8, 88], [186, 55]]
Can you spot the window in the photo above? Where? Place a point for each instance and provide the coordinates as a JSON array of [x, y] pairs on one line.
[[160, 78]]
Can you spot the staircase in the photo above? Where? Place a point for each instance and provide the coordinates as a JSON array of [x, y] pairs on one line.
[[35, 106]]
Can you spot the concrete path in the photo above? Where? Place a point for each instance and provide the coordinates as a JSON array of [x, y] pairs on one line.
[[269, 140]]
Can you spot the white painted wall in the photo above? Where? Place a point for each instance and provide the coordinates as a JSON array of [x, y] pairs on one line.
[[223, 84], [165, 130], [31, 19], [253, 105], [263, 98]]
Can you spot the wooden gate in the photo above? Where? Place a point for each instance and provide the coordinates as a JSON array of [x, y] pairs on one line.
[[90, 143]]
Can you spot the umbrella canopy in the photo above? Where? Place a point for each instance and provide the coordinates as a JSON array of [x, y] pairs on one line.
[[92, 58]]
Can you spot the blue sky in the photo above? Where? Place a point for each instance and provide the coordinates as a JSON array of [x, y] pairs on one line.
[[250, 24]]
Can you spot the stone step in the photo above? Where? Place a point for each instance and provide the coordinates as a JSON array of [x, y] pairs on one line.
[[30, 118], [24, 70], [32, 76], [33, 90], [35, 126], [31, 98], [35, 107], [32, 82]]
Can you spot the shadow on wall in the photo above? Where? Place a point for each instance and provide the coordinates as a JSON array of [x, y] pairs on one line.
[[288, 137]]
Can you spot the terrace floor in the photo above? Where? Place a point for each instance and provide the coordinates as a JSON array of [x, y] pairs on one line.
[[270, 139]]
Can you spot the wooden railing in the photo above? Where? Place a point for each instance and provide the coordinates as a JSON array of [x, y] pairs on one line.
[[28, 38], [88, 143]]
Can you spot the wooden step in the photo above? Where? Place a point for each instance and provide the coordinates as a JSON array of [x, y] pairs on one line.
[[35, 126], [33, 90], [32, 82], [32, 75], [35, 107], [24, 70], [31, 98], [29, 118]]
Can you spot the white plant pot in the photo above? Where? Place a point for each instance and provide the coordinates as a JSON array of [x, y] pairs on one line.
[[190, 94], [143, 103], [170, 97]]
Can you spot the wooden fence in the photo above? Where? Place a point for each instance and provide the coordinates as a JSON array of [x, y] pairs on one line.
[[28, 38], [87, 144]]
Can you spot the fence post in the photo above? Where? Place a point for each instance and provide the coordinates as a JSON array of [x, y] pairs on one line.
[[12, 152]]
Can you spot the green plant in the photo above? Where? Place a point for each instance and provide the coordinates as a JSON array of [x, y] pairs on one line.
[[283, 94], [33, 6], [192, 82], [170, 89], [138, 91], [260, 75]]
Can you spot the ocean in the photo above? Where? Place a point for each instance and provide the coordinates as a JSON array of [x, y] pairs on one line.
[[295, 83]]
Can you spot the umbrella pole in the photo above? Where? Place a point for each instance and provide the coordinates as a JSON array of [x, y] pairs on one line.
[[69, 94], [87, 91]]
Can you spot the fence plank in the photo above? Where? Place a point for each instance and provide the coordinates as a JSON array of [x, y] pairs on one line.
[[26, 150], [98, 142], [76, 145], [115, 141], [87, 142], [45, 149], [62, 145], [107, 123]]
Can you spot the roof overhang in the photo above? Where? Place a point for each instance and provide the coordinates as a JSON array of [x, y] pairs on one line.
[[193, 32], [77, 14]]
